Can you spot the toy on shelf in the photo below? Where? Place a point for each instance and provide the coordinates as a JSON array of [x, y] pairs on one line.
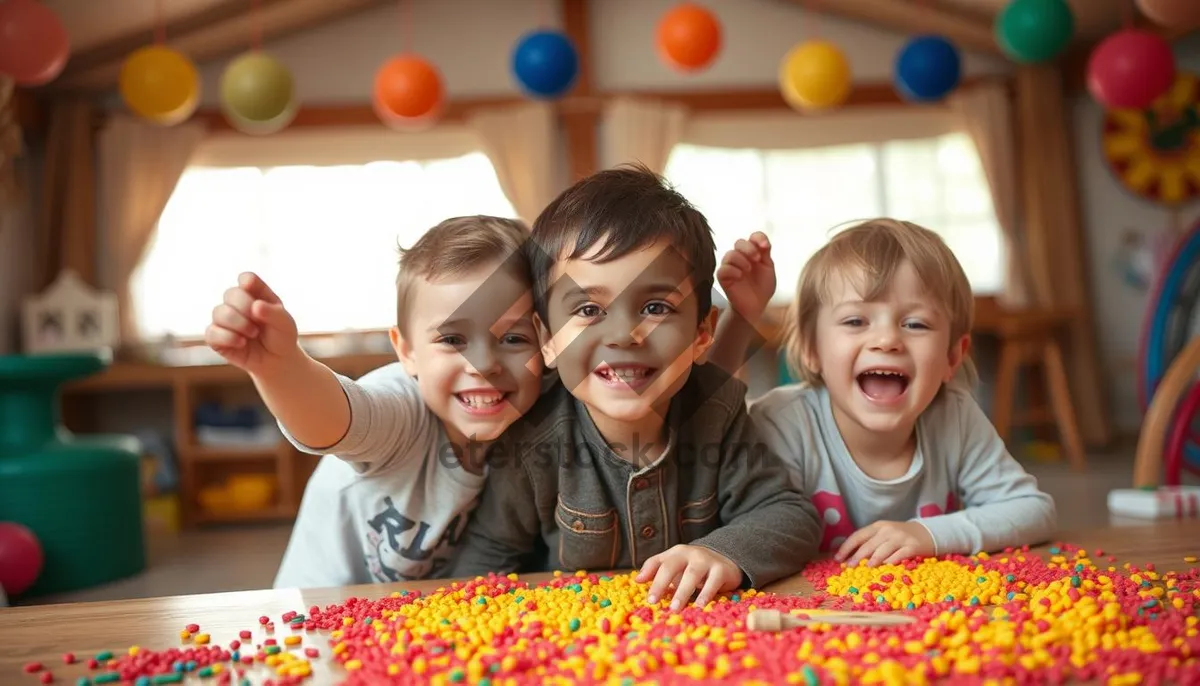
[[1168, 362], [239, 493], [70, 316]]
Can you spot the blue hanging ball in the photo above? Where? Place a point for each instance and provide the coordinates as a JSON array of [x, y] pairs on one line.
[[928, 68], [545, 63]]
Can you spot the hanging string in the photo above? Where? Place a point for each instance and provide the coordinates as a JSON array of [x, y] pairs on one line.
[[813, 10], [405, 26], [160, 25], [256, 23], [545, 15], [1127, 13]]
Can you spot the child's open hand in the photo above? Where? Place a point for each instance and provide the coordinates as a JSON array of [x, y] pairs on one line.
[[250, 328], [747, 275], [886, 543], [689, 567]]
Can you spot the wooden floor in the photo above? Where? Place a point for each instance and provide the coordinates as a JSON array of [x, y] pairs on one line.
[[246, 558]]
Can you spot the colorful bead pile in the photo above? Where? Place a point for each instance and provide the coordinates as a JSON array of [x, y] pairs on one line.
[[982, 619]]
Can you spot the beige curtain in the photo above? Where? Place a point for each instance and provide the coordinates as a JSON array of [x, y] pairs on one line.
[[66, 236], [1055, 248], [985, 111], [140, 165], [521, 141], [641, 131]]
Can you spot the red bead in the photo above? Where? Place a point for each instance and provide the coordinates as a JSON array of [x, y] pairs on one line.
[[68, 658], [245, 635], [32, 667], [47, 677], [264, 619]]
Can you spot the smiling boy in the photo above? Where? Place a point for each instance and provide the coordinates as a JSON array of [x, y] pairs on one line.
[[403, 445], [643, 456]]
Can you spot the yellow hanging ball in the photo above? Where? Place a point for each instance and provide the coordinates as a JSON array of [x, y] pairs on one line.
[[815, 75], [159, 84], [256, 88]]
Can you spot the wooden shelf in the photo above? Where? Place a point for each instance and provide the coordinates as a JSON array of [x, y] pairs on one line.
[[203, 463]]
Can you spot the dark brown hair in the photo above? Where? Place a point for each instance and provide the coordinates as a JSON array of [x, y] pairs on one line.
[[626, 208]]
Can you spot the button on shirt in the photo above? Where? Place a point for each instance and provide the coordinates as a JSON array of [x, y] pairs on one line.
[[552, 479]]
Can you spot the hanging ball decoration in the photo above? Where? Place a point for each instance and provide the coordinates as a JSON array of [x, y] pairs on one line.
[[928, 68], [1130, 69], [689, 37], [159, 84], [257, 89], [1032, 31], [406, 124], [267, 127], [34, 45], [408, 86], [545, 63], [815, 75], [1182, 14]]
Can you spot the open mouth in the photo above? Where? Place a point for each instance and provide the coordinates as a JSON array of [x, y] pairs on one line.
[[626, 375], [883, 385], [481, 402]]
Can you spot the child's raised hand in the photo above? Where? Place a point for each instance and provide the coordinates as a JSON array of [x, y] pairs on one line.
[[251, 329], [747, 275], [689, 568], [886, 543]]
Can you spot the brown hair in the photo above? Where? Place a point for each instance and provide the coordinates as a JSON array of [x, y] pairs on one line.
[[876, 249], [627, 208], [458, 245]]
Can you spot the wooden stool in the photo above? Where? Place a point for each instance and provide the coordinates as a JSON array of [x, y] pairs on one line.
[[1029, 337]]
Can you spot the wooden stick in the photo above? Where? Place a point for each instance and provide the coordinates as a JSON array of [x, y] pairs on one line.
[[774, 620]]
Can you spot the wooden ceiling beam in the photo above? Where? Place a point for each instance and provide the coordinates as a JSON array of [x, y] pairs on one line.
[[911, 18], [218, 35]]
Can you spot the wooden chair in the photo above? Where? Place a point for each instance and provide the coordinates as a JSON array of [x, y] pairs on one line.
[[1030, 338]]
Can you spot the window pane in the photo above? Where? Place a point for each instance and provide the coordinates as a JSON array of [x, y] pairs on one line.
[[325, 238], [724, 184], [914, 181]]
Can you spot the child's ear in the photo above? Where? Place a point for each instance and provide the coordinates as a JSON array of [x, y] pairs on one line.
[[546, 341], [958, 353], [706, 335], [404, 351], [808, 358]]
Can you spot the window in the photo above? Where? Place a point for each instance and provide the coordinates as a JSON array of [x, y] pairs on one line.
[[801, 197], [324, 237]]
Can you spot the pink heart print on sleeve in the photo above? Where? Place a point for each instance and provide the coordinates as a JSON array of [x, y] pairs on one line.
[[834, 518], [931, 510]]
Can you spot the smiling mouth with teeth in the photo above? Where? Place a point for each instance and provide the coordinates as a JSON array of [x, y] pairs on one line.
[[631, 376], [481, 402], [883, 384]]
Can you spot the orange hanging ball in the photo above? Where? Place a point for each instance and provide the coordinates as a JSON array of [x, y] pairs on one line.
[[689, 37], [409, 87]]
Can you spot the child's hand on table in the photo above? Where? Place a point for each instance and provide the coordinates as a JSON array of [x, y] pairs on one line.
[[251, 329], [886, 543], [747, 275], [689, 567]]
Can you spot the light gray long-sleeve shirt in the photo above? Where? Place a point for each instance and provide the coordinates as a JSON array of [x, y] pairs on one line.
[[963, 485]]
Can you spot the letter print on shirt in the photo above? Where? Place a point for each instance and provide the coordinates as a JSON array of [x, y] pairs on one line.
[[393, 554], [931, 510]]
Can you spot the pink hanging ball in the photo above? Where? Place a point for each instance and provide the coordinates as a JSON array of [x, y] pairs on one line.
[[1131, 69]]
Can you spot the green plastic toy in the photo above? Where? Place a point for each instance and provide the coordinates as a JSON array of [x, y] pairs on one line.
[[79, 495]]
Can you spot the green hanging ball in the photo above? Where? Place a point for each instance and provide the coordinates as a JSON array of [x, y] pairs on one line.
[[257, 88], [1032, 31]]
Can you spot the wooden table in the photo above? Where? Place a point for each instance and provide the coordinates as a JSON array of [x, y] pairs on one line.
[[43, 633]]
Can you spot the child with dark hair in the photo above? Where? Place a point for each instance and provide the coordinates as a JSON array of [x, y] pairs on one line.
[[642, 457]]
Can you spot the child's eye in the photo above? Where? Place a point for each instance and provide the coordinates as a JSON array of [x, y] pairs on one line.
[[853, 321], [658, 309], [915, 324], [452, 340], [514, 339], [588, 311]]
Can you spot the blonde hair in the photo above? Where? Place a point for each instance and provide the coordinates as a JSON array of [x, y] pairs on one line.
[[458, 245], [876, 248]]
